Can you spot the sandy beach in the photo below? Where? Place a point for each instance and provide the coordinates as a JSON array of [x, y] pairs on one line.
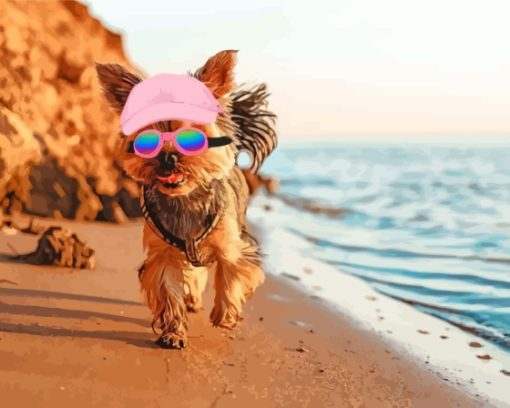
[[386, 257], [83, 337]]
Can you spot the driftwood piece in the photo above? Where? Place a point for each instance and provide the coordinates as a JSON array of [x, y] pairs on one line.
[[60, 247]]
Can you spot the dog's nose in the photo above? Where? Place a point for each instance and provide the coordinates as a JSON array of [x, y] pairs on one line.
[[168, 160]]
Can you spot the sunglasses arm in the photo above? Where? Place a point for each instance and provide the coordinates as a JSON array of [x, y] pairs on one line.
[[219, 141]]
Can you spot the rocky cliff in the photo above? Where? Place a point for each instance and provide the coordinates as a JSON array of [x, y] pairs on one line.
[[58, 137]]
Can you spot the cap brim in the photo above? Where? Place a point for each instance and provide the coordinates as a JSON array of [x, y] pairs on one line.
[[167, 111]]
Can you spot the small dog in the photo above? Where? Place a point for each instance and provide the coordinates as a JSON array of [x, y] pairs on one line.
[[195, 206]]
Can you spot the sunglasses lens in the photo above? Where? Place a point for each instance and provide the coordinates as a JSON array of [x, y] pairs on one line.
[[146, 143], [191, 140]]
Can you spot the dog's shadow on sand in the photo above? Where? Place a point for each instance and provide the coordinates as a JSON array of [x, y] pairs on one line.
[[138, 339], [132, 338]]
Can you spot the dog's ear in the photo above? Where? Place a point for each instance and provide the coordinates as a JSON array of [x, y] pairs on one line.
[[218, 73], [117, 83]]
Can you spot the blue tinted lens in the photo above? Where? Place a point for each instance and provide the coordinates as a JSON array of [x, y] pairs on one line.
[[190, 140], [146, 143]]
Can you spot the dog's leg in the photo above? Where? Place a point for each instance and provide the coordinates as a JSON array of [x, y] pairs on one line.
[[162, 285], [195, 280], [238, 273]]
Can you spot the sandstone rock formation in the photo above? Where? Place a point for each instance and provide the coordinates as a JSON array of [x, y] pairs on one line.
[[58, 137]]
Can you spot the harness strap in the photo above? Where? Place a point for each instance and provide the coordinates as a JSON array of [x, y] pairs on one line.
[[190, 246]]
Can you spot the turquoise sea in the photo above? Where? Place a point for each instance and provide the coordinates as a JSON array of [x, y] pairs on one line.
[[426, 224]]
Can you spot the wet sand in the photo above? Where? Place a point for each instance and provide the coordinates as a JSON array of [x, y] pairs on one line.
[[83, 338]]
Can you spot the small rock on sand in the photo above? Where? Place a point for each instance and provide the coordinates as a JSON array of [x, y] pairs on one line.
[[475, 344], [505, 372], [301, 349], [484, 356], [423, 331]]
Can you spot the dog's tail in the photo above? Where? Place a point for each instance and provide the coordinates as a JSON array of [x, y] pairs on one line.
[[254, 124]]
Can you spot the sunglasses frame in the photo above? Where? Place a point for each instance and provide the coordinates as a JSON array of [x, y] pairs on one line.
[[171, 136]]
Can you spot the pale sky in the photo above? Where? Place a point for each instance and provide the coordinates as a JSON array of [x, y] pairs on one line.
[[344, 67]]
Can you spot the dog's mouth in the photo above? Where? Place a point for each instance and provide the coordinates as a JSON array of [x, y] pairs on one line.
[[171, 180]]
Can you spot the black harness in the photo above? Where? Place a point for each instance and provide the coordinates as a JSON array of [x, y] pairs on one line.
[[189, 246]]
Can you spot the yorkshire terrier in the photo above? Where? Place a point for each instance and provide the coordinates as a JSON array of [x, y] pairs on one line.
[[194, 195]]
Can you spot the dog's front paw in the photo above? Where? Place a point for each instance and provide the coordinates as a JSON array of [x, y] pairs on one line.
[[225, 318], [193, 305], [172, 341], [194, 308]]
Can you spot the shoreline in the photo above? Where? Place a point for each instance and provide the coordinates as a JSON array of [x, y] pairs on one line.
[[66, 336], [455, 355]]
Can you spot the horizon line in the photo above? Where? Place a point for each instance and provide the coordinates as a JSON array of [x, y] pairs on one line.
[[409, 134]]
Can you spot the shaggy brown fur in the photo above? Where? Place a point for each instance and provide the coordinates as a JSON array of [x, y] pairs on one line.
[[210, 184]]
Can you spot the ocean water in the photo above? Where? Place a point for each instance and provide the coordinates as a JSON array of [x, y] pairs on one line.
[[428, 225]]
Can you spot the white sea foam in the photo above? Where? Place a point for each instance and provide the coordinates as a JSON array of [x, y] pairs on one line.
[[403, 325]]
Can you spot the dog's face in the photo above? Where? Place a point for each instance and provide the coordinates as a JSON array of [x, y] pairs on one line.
[[174, 173], [170, 171]]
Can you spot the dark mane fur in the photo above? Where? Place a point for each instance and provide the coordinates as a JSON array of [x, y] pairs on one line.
[[184, 216], [253, 123]]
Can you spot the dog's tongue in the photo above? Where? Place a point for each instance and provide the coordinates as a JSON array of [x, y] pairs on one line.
[[172, 178]]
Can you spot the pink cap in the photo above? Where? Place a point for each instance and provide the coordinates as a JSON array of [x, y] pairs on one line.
[[167, 97]]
